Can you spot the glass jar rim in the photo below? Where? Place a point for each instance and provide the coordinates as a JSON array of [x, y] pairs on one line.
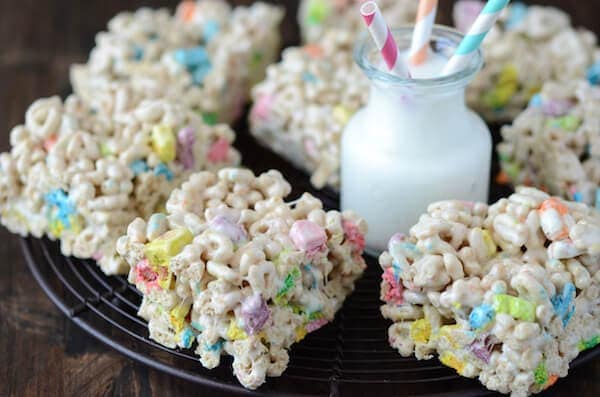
[[365, 45]]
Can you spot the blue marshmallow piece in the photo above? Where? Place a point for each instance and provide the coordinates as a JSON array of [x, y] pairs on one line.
[[210, 30], [481, 315], [309, 77], [536, 101], [197, 62], [187, 338], [593, 74], [214, 348], [162, 169], [138, 53], [192, 57], [139, 167], [564, 303], [200, 73], [59, 199]]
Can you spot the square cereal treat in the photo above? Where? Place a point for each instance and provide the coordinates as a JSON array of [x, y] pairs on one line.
[[307, 99], [80, 176], [555, 143], [508, 293], [317, 16], [528, 46], [234, 269], [207, 56]]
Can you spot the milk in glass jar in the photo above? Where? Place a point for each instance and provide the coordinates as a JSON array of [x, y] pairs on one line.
[[415, 142]]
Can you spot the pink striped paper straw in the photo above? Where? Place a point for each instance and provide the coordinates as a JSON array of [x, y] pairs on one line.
[[422, 32], [382, 35]]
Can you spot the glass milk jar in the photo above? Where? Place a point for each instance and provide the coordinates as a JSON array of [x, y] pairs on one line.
[[415, 142]]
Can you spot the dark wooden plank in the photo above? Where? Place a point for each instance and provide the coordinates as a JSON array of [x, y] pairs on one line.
[[41, 352]]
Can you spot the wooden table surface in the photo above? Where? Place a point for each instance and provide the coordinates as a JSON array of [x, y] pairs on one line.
[[42, 353]]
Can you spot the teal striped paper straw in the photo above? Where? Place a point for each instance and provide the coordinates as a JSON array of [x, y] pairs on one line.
[[473, 39]]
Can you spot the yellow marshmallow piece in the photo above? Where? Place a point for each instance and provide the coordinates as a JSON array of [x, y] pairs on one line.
[[161, 250], [342, 114], [235, 332], [163, 143], [165, 282], [450, 360], [177, 316], [420, 331], [489, 243], [300, 333]]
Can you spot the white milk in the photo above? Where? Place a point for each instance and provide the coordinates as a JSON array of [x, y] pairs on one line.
[[413, 144], [432, 68]]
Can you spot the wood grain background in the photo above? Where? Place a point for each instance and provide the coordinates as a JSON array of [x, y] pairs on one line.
[[41, 352]]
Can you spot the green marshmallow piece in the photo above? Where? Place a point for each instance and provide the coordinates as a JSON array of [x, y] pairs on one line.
[[518, 308], [160, 251], [318, 10], [505, 89], [288, 284], [210, 118], [590, 343], [540, 374], [105, 150], [512, 170], [500, 96], [567, 123]]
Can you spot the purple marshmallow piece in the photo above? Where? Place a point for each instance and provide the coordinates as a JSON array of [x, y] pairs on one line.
[[557, 107], [255, 313], [481, 350], [186, 138], [234, 231]]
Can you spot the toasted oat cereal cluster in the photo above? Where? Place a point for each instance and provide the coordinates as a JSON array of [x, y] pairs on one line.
[[232, 268], [80, 176], [555, 143], [302, 107], [528, 46], [509, 293], [207, 56], [317, 16]]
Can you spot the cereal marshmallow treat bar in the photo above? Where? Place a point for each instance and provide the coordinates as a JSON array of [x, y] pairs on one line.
[[232, 268], [555, 143], [207, 56], [509, 294], [317, 16], [80, 176], [528, 46], [302, 107]]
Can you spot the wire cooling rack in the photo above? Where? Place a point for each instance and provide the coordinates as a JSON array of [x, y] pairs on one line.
[[349, 356]]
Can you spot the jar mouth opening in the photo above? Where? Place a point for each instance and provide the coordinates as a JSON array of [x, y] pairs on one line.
[[444, 40]]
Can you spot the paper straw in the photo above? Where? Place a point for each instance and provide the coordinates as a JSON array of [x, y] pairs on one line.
[[382, 35], [422, 32], [473, 39]]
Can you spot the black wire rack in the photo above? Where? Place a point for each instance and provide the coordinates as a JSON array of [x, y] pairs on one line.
[[349, 356]]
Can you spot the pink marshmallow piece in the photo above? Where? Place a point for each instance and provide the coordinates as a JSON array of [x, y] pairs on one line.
[[145, 274], [395, 290], [353, 235], [262, 107], [219, 151], [315, 325], [309, 237]]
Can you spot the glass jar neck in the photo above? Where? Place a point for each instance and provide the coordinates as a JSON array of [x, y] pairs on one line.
[[394, 107]]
